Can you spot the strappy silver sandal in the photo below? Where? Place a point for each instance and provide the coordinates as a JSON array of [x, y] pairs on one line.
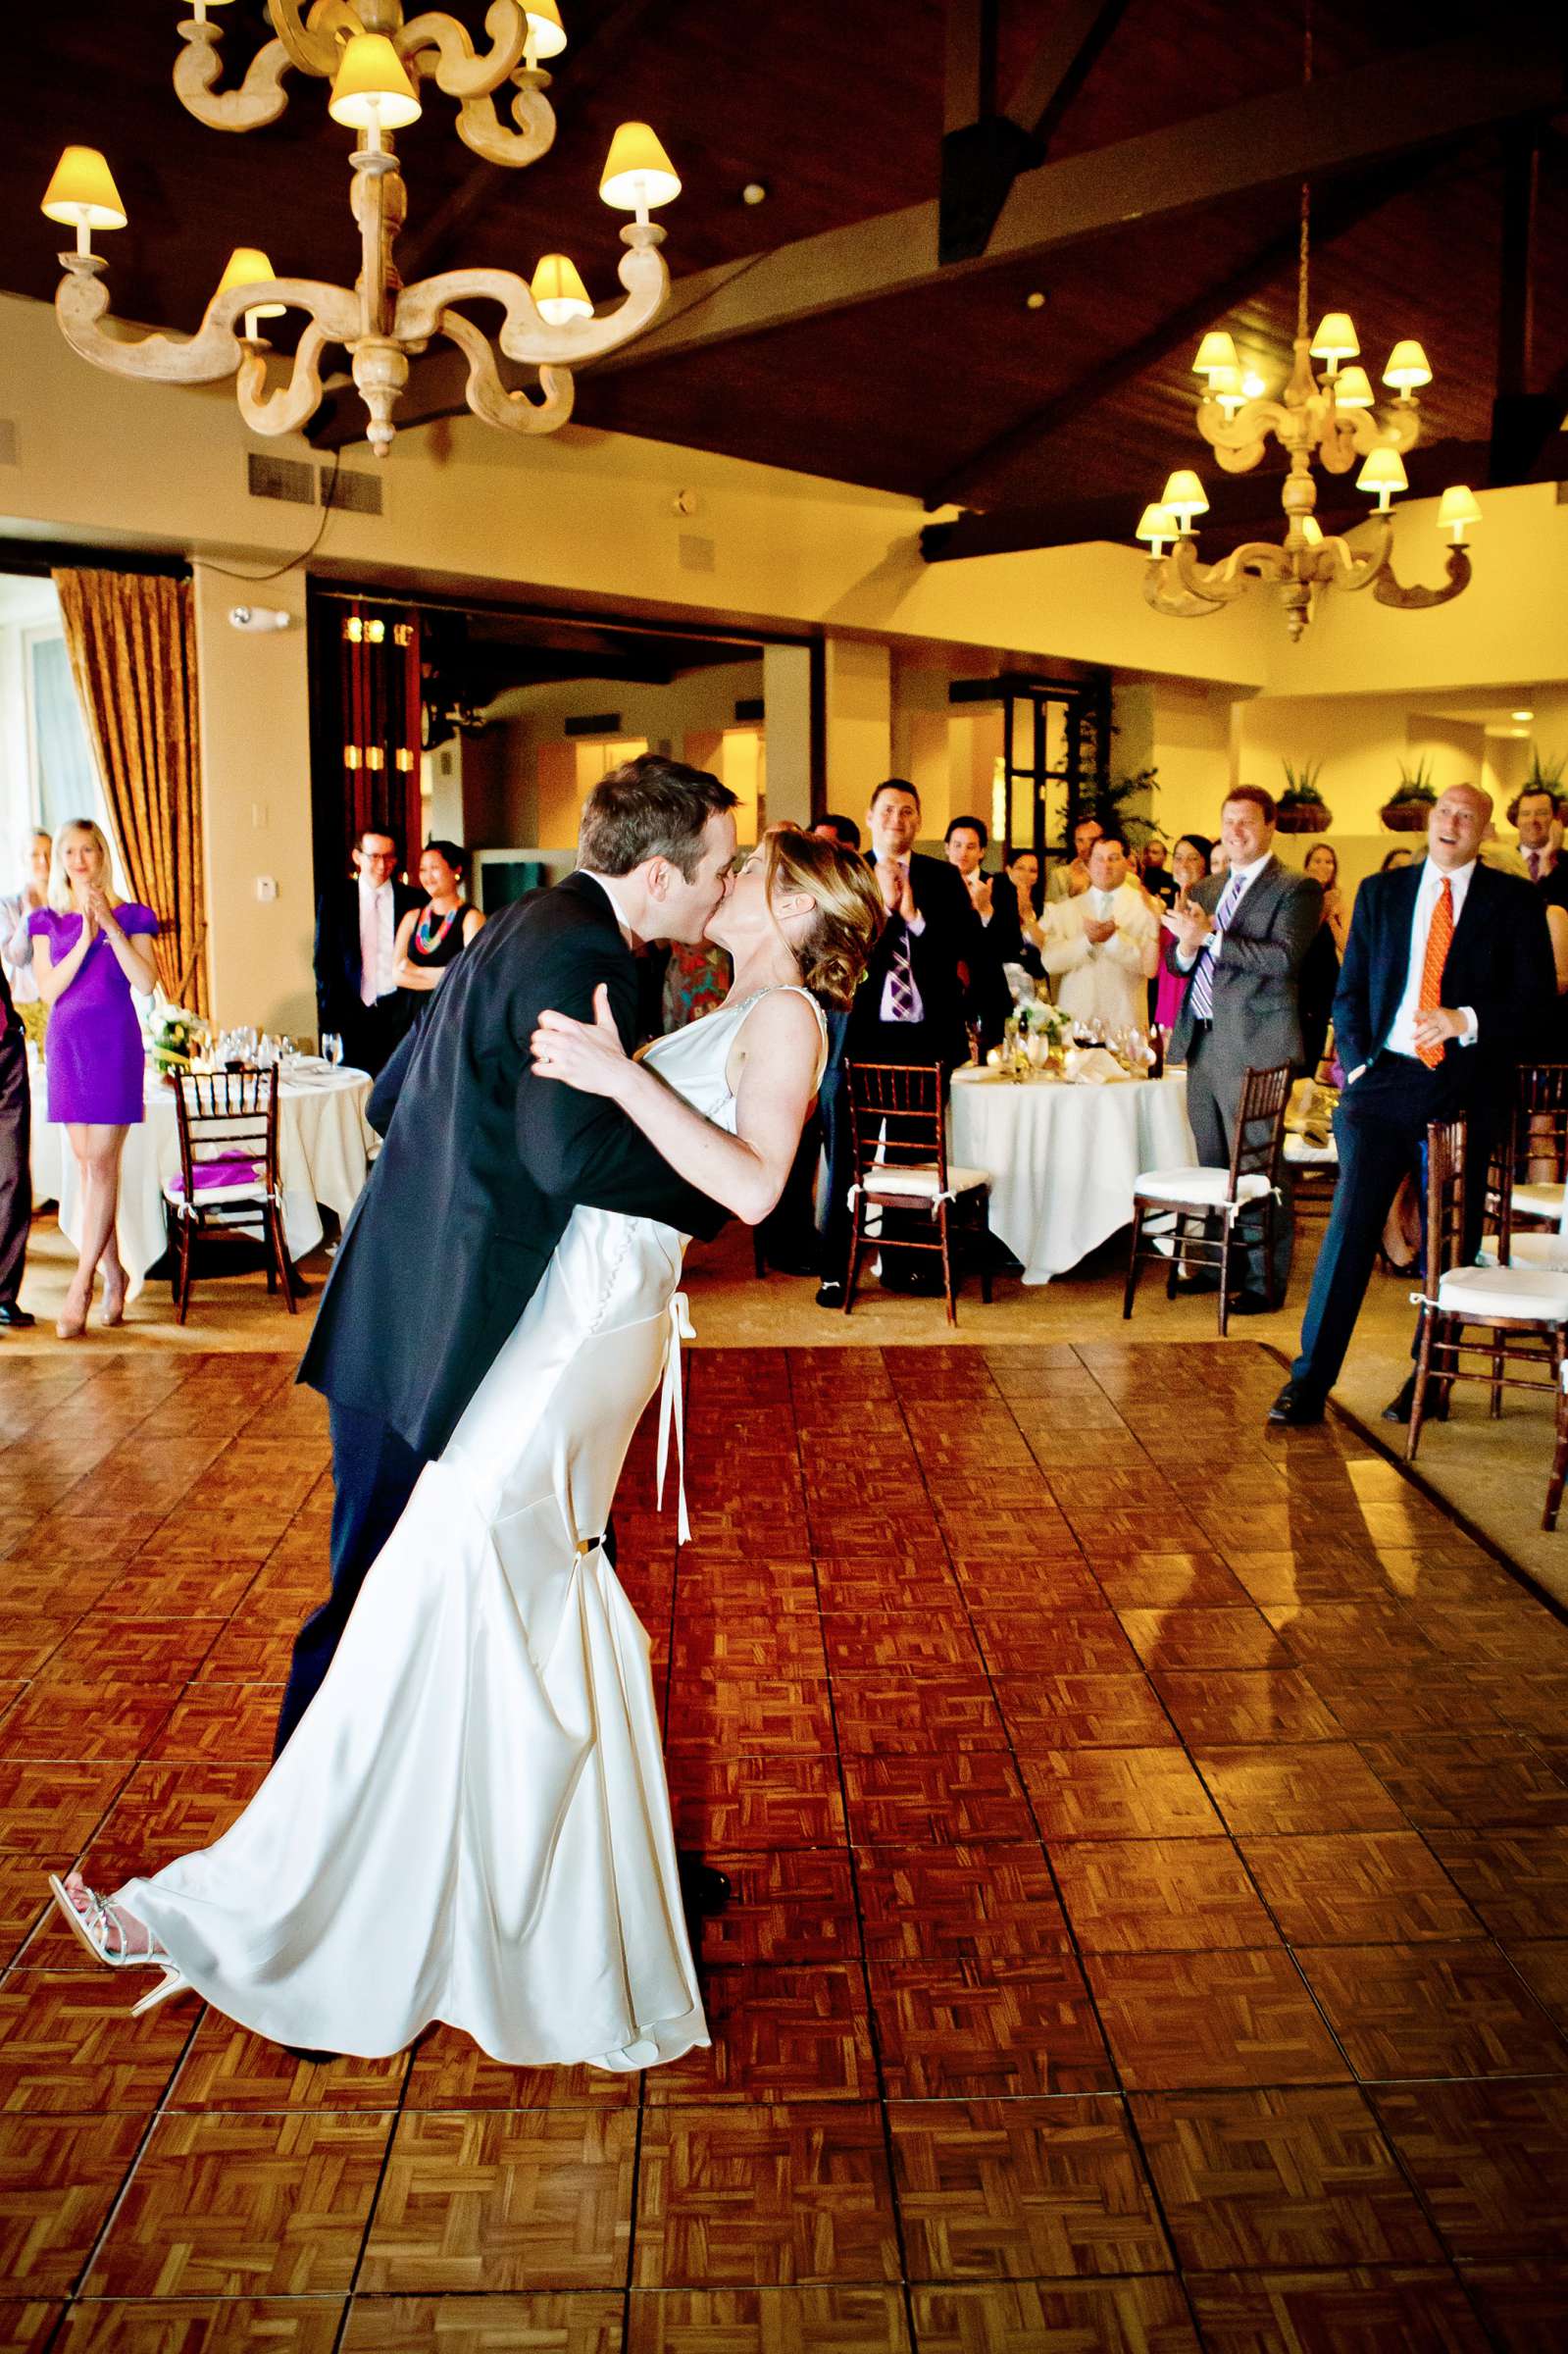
[[105, 1938]]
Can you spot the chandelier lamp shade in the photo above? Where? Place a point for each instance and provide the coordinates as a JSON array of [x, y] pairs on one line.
[[379, 70]]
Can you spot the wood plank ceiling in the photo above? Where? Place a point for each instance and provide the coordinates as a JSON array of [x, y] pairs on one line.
[[953, 387]]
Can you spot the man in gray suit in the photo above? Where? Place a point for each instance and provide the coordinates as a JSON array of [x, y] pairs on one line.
[[1243, 936]]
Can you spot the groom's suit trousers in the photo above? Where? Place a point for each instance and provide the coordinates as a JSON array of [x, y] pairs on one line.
[[375, 1472]]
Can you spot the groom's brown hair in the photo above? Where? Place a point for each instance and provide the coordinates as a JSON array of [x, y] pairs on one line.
[[649, 807]]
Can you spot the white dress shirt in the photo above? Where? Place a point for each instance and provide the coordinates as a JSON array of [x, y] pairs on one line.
[[15, 945], [1107, 978], [1402, 1038], [377, 937], [1248, 876]]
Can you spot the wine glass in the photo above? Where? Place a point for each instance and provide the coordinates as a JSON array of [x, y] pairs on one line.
[[332, 1048]]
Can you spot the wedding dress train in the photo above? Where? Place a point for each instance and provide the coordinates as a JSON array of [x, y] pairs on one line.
[[471, 1823]]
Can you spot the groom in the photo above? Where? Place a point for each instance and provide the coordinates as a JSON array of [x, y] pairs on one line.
[[485, 1164]]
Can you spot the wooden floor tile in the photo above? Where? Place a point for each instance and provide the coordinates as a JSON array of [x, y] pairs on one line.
[[930, 1711], [778, 2035], [1402, 2310], [967, 1797], [1370, 1701], [69, 2046], [1297, 1787], [1295, 2175], [1521, 2305], [230, 2206], [1469, 1780], [1432, 2011], [132, 1651], [500, 2200], [1204, 1639], [85, 1721], [1132, 1896], [795, 1907], [748, 1714], [1542, 1964], [1083, 1712], [1108, 2317], [1118, 1794], [985, 1905], [1169, 1581], [59, 2177], [763, 2197], [203, 2326], [958, 2033], [1186, 2022], [1358, 1888], [1244, 1706], [50, 1811], [1087, 1642], [1490, 2161], [580, 2322], [756, 1802], [766, 2321], [449, 2072], [228, 1723], [24, 1894], [228, 2068], [1025, 2189]]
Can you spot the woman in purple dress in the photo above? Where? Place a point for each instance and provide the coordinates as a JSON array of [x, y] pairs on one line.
[[89, 952]]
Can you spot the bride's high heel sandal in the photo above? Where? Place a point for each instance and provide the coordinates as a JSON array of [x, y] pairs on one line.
[[105, 1937]]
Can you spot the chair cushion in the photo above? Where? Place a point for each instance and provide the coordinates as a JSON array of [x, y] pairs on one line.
[[1306, 1154], [1205, 1188], [219, 1181], [1537, 1200], [922, 1181], [1480, 1293]]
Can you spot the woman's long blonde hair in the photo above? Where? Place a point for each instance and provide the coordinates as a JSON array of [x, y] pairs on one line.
[[60, 898], [832, 953]]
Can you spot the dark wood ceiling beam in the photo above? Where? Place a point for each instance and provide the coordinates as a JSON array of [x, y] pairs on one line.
[[1240, 506], [1345, 120], [1062, 64], [1339, 210], [984, 150]]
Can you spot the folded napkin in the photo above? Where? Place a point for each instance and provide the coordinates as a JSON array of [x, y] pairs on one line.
[[209, 1174]]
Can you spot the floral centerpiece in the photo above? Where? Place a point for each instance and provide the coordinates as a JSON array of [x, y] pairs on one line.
[[174, 1033]]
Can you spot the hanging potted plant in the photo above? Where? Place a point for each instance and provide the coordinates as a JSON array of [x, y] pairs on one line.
[[1409, 807], [1303, 809]]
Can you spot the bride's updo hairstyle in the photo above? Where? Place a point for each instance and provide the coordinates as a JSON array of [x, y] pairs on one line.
[[833, 949]]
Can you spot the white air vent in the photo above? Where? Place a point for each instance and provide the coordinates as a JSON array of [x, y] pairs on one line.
[[281, 477], [360, 494], [8, 442]]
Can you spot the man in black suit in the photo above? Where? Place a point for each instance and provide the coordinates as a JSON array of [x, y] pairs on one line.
[[994, 900], [909, 1007], [483, 1163], [1448, 979], [16, 1173], [1243, 936], [356, 927]]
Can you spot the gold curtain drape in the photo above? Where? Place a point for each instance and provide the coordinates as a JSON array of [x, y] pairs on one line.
[[131, 638]]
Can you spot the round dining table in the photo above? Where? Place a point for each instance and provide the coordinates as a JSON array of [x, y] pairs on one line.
[[1063, 1156], [323, 1149]]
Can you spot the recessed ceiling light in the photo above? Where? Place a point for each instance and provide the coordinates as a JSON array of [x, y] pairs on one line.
[[1521, 715], [1034, 302], [755, 191]]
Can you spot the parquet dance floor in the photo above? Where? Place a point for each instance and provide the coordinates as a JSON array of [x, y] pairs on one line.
[[1149, 1841]]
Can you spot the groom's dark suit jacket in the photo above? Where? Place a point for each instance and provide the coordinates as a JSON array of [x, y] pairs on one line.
[[480, 1170]]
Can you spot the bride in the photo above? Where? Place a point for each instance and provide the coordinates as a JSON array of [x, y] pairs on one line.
[[471, 1823]]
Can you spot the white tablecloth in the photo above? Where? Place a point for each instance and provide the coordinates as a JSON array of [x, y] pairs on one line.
[[1063, 1159], [323, 1146]]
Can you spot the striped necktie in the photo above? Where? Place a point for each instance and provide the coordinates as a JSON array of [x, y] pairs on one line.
[[1203, 970]]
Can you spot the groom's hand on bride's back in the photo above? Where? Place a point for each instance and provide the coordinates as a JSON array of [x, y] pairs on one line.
[[587, 1056]]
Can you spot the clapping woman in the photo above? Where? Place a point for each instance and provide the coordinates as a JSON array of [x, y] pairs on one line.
[[89, 951], [430, 938]]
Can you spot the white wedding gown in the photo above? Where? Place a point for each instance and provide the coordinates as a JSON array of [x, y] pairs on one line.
[[471, 1822]]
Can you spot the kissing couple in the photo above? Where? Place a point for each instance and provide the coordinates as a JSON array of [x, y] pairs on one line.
[[467, 1819]]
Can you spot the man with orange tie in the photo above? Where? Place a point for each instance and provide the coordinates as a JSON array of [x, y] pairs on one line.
[[1447, 981]]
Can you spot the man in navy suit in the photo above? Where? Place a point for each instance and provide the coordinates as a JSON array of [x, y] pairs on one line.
[[1447, 980], [356, 932]]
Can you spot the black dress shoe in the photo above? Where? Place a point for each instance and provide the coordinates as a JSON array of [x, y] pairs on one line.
[[830, 1294], [1400, 1409], [16, 1317], [704, 1890], [1187, 1287], [1251, 1303], [1295, 1406]]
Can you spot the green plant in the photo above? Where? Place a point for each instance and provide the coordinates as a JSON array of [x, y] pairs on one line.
[[1300, 786], [1546, 774], [1110, 806], [1415, 784]]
